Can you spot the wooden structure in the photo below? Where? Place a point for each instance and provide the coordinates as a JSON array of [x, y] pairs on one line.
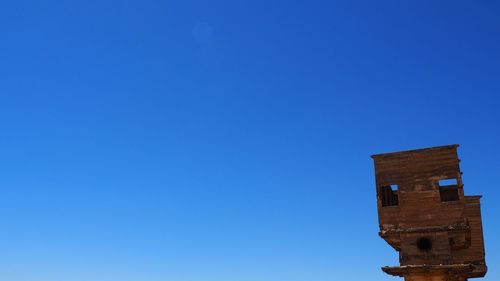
[[425, 216]]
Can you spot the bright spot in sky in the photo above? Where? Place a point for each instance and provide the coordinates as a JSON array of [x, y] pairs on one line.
[[203, 32]]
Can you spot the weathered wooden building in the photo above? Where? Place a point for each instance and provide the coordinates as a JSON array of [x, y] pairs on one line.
[[425, 216]]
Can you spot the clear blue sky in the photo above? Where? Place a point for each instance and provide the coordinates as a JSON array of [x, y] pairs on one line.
[[230, 140]]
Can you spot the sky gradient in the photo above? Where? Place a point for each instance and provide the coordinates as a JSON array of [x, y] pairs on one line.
[[230, 140]]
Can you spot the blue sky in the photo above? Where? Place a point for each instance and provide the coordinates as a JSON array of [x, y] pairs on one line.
[[230, 140]]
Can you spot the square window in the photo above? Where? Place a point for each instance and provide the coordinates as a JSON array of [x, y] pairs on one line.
[[389, 195], [448, 190]]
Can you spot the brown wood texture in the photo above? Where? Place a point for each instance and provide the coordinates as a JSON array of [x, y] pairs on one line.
[[427, 222]]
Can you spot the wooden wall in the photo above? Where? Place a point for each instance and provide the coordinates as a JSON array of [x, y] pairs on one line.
[[420, 210]]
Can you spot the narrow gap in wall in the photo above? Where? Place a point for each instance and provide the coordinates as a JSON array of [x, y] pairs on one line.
[[447, 182]]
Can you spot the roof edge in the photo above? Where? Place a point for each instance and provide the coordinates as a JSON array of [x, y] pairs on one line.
[[379, 155]]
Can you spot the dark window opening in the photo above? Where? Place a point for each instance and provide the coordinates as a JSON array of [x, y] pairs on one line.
[[389, 195], [448, 190], [424, 244]]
